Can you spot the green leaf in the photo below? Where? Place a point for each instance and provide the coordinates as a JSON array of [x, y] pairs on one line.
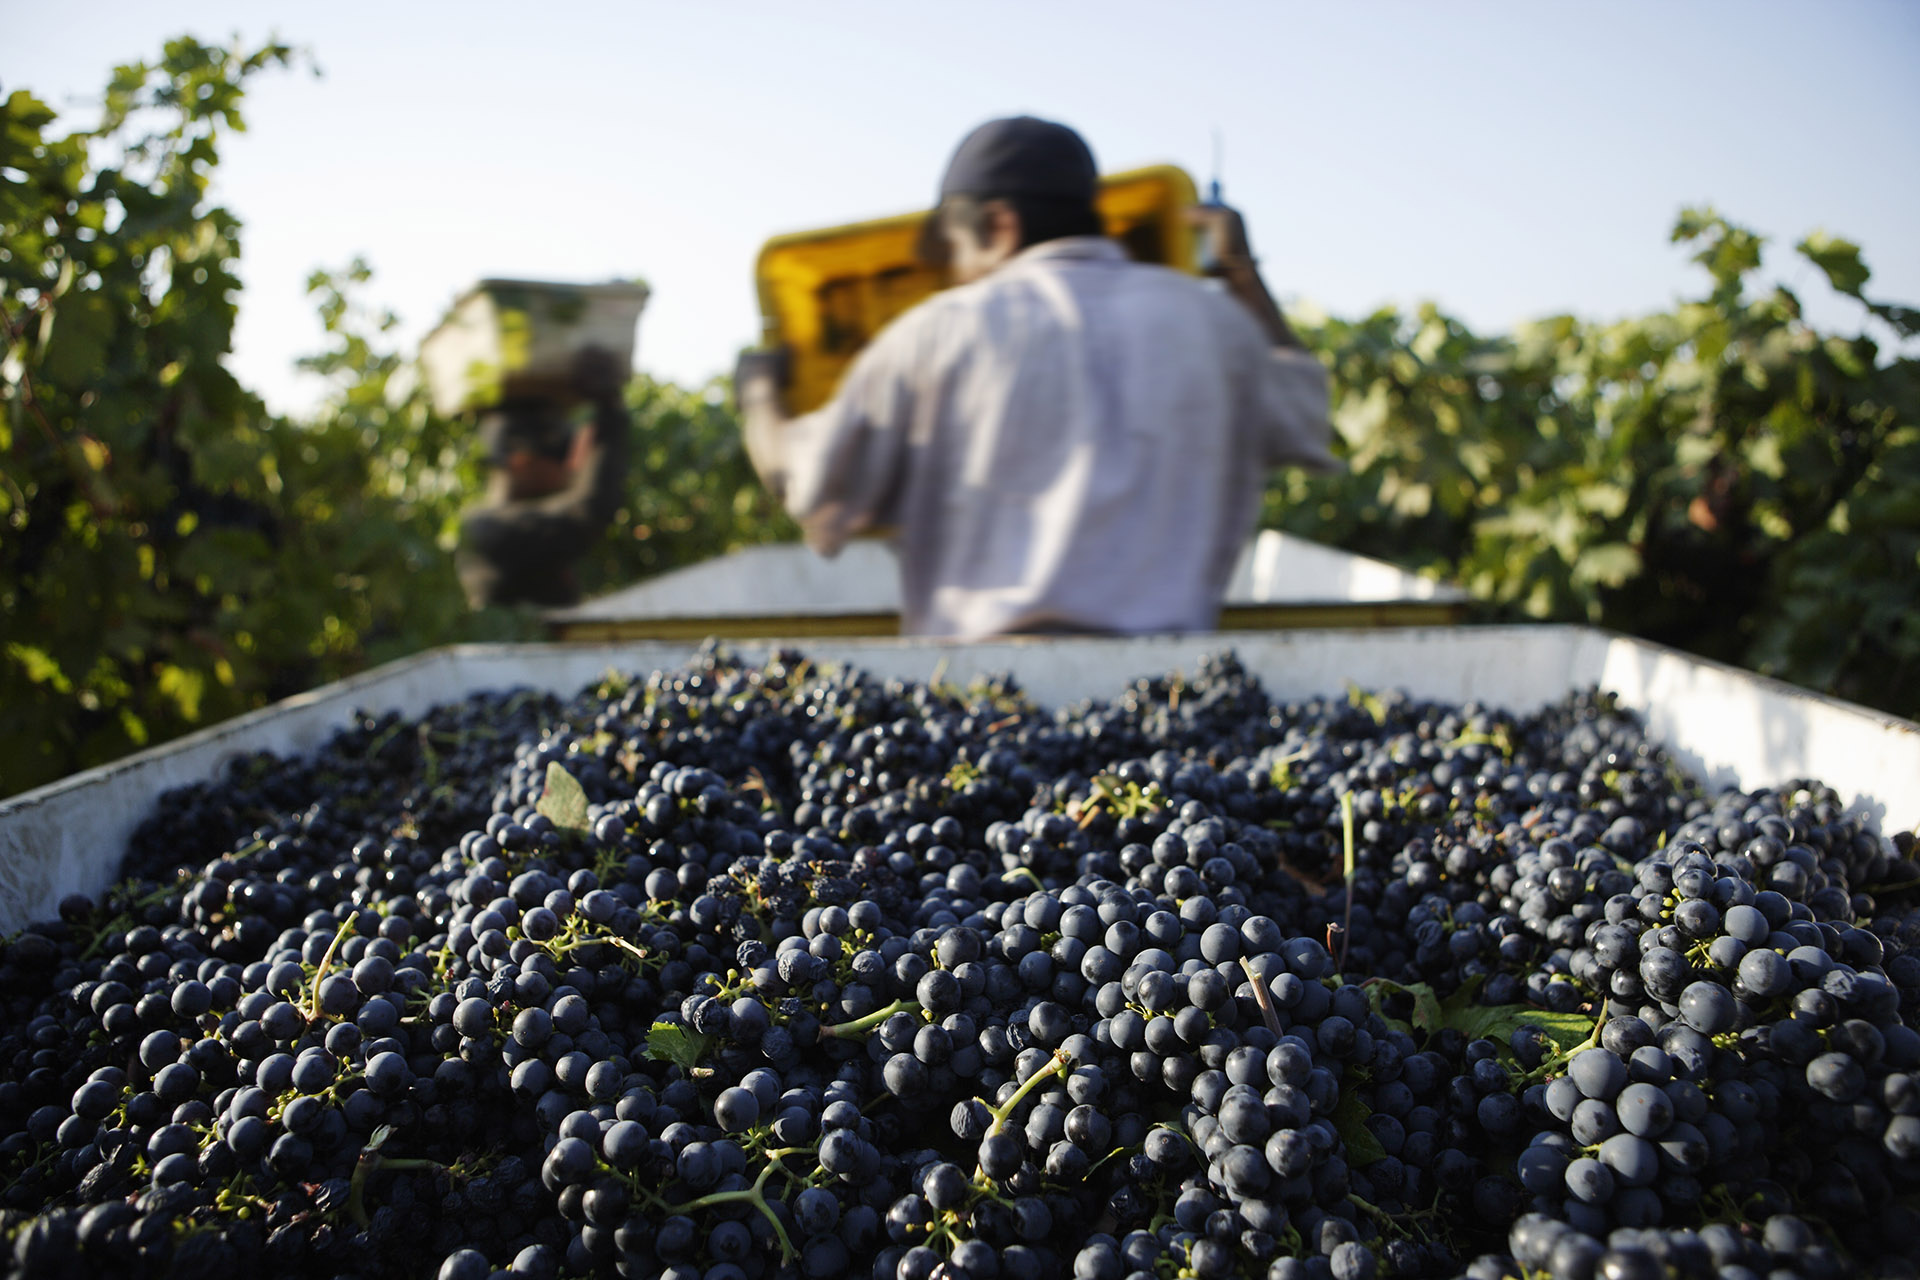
[[1566, 1030], [563, 802], [1426, 1008], [1904, 320], [40, 666], [671, 1042], [1839, 259], [1350, 1119], [1465, 997], [80, 329], [1609, 564], [1498, 1022], [1427, 1015]]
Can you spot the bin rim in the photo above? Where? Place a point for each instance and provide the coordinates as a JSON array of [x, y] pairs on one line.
[[635, 290], [1198, 641]]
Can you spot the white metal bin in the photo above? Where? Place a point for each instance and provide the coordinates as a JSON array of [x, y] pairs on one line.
[[785, 589], [1727, 725]]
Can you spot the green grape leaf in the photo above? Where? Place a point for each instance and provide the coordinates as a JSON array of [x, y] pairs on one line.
[[563, 802], [1498, 1022], [1427, 1013], [1350, 1120], [671, 1042], [1466, 996], [1905, 320], [1839, 259], [1566, 1030]]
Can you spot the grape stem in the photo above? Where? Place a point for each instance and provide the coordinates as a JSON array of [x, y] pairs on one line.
[[1028, 872], [755, 1197], [847, 1030], [326, 963], [1000, 1114], [1264, 998], [1346, 922], [1546, 1068]]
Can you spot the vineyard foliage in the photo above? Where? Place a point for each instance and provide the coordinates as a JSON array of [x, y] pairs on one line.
[[171, 553], [1721, 477]]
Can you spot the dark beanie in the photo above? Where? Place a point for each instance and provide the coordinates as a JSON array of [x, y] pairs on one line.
[[1022, 156]]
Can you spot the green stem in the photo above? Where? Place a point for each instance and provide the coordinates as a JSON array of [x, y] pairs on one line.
[[638, 953], [431, 756], [1052, 1068], [1555, 1061], [326, 962], [847, 1030], [1346, 824], [751, 1196]]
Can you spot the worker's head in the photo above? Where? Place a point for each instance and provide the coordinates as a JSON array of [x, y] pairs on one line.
[[528, 444], [1011, 183]]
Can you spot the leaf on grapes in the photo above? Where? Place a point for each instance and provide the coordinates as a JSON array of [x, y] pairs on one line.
[[1567, 1031], [1498, 1022], [671, 1042], [1427, 1013], [563, 802], [1350, 1120], [1465, 996]]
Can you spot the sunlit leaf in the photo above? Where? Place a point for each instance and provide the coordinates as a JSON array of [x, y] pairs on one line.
[[563, 801], [1838, 259]]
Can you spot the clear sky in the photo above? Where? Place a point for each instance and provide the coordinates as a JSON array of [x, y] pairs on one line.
[[1508, 160]]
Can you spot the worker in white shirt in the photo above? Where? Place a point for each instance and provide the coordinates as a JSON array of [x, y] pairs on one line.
[[1067, 441]]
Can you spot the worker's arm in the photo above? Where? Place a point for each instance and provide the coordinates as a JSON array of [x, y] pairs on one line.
[[1236, 267], [757, 382], [837, 469]]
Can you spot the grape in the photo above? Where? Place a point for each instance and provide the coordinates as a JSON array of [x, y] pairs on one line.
[[1594, 1121], [736, 1110], [1590, 1180], [1835, 1076], [1597, 1073], [1708, 1008], [465, 1264], [1634, 1161], [1644, 1110]]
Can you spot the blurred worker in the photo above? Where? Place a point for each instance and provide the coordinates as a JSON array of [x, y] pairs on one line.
[[1068, 441], [552, 490]]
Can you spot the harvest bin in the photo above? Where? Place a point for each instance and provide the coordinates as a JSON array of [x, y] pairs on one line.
[[1728, 726]]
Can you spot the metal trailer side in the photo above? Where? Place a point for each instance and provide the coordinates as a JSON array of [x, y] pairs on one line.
[[785, 589], [1730, 726]]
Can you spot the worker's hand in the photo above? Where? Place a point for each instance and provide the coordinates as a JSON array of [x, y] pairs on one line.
[[761, 375], [1225, 231], [596, 374]]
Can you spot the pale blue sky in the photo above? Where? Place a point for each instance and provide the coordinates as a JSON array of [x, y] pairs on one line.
[[1506, 159]]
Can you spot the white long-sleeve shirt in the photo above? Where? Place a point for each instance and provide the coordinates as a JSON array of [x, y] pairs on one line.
[[1074, 442]]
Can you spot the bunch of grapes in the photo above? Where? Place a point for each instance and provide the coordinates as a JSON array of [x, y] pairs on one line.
[[740, 972]]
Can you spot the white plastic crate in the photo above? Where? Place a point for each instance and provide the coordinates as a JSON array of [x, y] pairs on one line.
[[526, 332]]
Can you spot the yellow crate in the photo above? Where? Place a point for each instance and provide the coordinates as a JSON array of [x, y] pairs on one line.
[[825, 294]]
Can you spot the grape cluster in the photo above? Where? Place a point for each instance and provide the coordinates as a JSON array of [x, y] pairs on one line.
[[784, 971]]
